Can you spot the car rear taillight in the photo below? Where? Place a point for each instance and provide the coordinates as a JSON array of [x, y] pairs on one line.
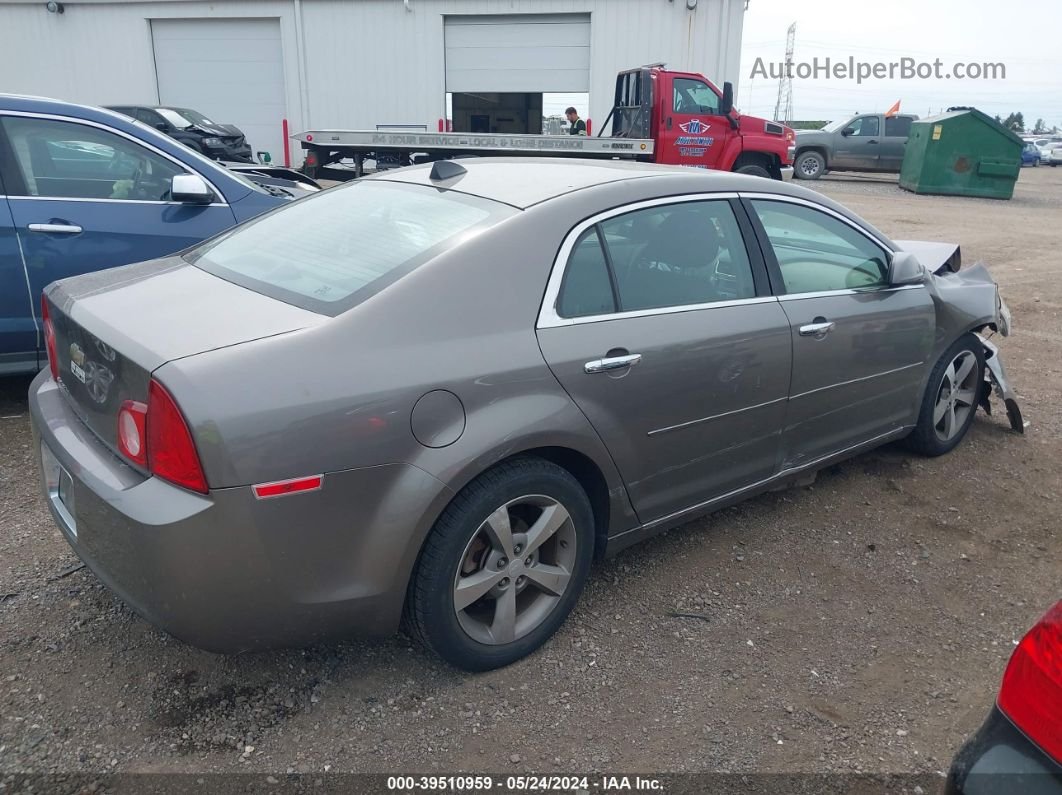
[[311, 159], [49, 337], [1031, 693], [132, 431], [171, 452]]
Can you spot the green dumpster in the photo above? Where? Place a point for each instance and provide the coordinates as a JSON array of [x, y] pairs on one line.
[[961, 153]]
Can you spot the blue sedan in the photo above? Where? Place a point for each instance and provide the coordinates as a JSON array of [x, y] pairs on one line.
[[82, 189]]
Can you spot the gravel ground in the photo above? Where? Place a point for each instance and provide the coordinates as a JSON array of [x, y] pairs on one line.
[[857, 624]]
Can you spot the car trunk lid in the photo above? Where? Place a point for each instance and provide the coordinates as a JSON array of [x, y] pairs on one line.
[[114, 328]]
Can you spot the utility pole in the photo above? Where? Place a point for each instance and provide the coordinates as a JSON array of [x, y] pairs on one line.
[[783, 106]]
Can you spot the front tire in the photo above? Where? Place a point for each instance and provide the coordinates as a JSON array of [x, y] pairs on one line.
[[950, 400], [809, 165], [503, 566], [753, 170]]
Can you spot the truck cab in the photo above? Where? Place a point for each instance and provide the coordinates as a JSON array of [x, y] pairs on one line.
[[694, 123], [864, 142]]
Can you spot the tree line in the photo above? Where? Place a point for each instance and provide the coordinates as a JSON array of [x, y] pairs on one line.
[[1016, 122]]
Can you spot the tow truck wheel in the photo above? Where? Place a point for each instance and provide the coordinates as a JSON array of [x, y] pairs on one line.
[[809, 165], [753, 170]]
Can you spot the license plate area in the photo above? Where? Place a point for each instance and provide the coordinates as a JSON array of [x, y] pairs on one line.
[[60, 487]]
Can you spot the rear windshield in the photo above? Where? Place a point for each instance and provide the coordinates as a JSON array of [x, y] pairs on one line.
[[333, 250]]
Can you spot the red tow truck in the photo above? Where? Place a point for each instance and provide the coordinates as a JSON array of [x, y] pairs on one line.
[[658, 116]]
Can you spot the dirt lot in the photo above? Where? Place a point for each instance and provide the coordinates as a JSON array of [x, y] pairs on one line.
[[859, 624]]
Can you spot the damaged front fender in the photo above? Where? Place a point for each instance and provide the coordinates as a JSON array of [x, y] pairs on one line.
[[968, 300]]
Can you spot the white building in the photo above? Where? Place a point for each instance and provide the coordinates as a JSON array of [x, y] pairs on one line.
[[357, 64]]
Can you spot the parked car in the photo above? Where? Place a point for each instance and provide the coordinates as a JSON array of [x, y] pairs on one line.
[[1054, 154], [867, 142], [444, 389], [1019, 746], [88, 189], [1030, 155], [194, 130], [1044, 143]]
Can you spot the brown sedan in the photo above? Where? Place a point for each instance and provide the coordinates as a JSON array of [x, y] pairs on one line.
[[443, 391]]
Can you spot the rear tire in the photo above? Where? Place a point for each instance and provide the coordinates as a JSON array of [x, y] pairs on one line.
[[503, 566], [809, 165], [951, 398]]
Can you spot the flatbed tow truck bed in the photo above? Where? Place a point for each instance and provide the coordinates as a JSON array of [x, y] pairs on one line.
[[331, 146]]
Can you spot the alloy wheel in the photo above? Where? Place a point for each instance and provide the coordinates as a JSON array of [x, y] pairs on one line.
[[957, 396], [515, 569]]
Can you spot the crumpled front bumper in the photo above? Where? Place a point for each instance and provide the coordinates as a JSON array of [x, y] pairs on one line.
[[995, 376], [996, 381]]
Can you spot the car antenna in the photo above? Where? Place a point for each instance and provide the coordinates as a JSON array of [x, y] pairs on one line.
[[446, 169]]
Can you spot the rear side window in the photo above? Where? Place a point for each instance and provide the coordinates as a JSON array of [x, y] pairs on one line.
[[587, 288], [897, 126], [330, 251], [669, 255]]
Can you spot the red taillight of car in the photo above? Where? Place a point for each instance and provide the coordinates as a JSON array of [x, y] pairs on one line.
[[1031, 693], [132, 431], [49, 337], [311, 159], [171, 452]]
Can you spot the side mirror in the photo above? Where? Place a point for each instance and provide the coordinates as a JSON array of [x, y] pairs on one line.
[[847, 131], [904, 268], [190, 189], [727, 103], [161, 126]]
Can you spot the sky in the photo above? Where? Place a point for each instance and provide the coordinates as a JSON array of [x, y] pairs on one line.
[[1024, 35]]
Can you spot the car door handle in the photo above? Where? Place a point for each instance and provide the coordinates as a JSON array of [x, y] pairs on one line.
[[61, 229], [819, 329], [871, 141], [612, 363]]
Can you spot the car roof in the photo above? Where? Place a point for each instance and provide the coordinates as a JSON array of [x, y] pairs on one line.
[[33, 104], [525, 181]]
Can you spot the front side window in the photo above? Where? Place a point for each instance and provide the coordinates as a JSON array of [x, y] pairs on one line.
[[693, 96], [671, 255], [59, 159], [332, 250], [149, 117], [817, 252], [864, 126]]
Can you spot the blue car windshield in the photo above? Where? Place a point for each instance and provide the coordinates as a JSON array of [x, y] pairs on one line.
[[333, 250]]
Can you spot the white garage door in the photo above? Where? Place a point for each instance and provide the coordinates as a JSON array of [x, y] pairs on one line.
[[526, 52], [230, 70]]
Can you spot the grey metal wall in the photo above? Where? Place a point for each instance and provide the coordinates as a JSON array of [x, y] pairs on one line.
[[348, 63]]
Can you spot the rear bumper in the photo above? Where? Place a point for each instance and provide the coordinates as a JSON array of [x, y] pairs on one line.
[[225, 571], [1000, 759]]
